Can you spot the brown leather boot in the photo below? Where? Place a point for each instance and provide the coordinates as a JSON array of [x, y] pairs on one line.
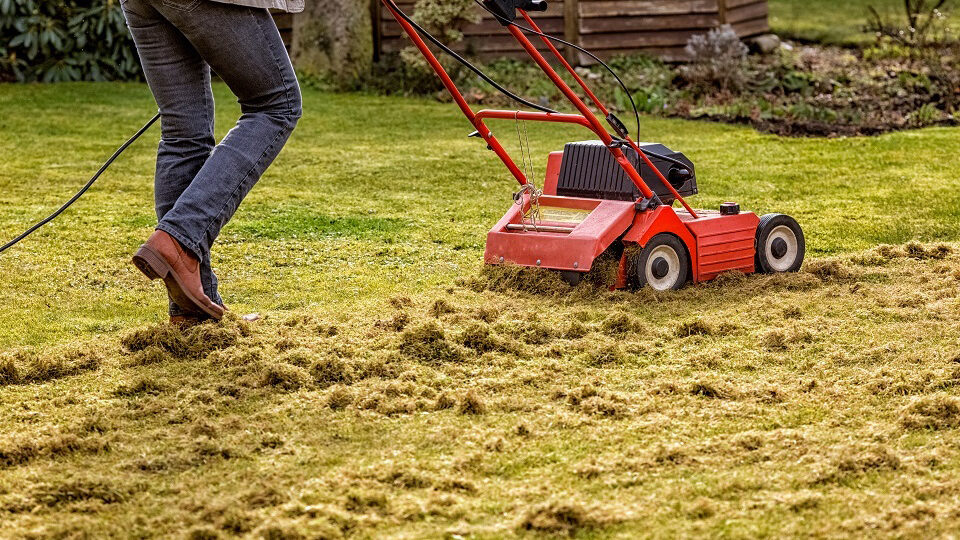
[[162, 257]]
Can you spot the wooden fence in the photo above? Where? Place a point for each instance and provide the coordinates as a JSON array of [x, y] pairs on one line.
[[605, 27]]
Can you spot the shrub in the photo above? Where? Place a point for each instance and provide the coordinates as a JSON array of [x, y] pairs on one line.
[[445, 19], [65, 40], [717, 59], [407, 72]]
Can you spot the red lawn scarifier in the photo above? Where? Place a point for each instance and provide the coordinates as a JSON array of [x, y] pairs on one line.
[[612, 193]]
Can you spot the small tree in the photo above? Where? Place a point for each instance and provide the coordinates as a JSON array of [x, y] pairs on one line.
[[917, 29], [924, 35]]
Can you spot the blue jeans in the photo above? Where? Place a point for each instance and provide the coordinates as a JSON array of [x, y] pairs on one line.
[[199, 184]]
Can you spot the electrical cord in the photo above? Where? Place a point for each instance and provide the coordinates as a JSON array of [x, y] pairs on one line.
[[636, 111], [501, 18], [83, 190], [466, 63], [432, 39], [517, 98]]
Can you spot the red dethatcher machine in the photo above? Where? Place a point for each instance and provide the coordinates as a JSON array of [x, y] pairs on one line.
[[610, 194]]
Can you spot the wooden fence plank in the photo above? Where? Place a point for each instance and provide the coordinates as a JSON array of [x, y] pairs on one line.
[[636, 40], [571, 29], [731, 4], [552, 25], [596, 25], [620, 8], [752, 27], [748, 12], [376, 10]]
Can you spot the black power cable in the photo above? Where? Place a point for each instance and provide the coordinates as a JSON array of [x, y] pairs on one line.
[[466, 63], [504, 20], [83, 190], [426, 34], [636, 112]]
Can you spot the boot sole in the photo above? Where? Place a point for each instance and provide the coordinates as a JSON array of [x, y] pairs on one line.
[[155, 267]]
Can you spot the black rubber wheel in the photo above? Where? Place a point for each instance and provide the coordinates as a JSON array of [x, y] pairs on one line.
[[662, 265], [780, 244]]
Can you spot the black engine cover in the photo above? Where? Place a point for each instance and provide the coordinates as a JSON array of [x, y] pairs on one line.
[[590, 171]]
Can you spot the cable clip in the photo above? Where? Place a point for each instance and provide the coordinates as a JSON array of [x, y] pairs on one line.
[[617, 143], [618, 126]]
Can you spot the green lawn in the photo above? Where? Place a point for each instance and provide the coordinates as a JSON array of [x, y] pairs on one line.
[[830, 21], [356, 201], [392, 390]]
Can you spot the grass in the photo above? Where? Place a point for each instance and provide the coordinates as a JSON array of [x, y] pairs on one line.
[[394, 389], [832, 22]]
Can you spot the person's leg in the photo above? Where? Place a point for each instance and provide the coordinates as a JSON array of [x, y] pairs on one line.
[[243, 46], [180, 81]]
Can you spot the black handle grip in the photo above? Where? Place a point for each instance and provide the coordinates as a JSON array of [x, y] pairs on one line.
[[506, 10], [534, 5]]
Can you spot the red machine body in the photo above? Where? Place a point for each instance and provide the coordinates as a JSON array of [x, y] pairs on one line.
[[715, 243], [567, 234]]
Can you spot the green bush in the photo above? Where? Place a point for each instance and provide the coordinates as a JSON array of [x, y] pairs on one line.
[[65, 40], [407, 72], [445, 19]]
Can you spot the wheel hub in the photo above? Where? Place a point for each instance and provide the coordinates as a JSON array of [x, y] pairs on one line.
[[778, 248], [781, 248], [663, 269], [660, 268]]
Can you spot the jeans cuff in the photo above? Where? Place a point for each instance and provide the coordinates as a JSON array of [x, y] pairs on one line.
[[185, 242]]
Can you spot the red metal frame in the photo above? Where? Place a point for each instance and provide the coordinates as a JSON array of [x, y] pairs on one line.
[[603, 109], [586, 117], [575, 250], [451, 87], [715, 243]]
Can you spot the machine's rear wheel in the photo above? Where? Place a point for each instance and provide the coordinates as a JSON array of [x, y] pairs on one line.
[[663, 264], [780, 244]]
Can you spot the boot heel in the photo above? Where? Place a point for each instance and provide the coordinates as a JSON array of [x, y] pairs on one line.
[[149, 263]]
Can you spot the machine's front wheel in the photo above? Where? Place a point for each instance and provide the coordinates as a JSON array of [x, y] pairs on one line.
[[780, 244], [663, 264]]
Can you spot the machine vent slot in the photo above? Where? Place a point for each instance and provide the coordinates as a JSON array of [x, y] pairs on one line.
[[588, 170]]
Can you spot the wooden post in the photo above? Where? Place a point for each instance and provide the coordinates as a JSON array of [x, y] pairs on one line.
[[722, 12], [377, 26], [571, 29]]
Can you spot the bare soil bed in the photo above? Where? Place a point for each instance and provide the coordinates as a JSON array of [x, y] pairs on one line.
[[832, 91], [800, 90]]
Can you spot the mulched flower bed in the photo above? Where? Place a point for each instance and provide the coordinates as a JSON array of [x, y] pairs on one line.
[[796, 90], [828, 91]]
